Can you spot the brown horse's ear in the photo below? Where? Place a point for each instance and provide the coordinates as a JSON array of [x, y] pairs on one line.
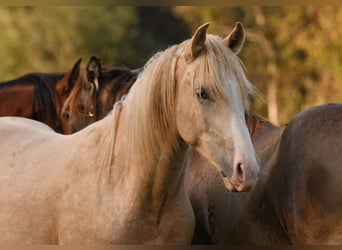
[[75, 72], [198, 40], [94, 71], [236, 38]]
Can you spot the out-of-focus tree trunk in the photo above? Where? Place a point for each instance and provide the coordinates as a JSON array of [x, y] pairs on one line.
[[271, 68], [272, 106]]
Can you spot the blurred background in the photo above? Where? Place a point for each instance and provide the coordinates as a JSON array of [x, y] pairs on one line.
[[293, 55]]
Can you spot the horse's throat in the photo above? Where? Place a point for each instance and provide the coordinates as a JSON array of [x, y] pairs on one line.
[[168, 174], [163, 181]]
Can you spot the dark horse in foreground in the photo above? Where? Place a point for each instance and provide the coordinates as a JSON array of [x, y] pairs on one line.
[[298, 198]]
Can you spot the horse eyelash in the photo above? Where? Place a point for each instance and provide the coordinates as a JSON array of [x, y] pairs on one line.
[[202, 94]]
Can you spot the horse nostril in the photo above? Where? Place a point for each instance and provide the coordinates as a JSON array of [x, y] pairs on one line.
[[240, 170], [244, 175]]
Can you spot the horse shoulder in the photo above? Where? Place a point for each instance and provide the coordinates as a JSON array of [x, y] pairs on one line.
[[308, 177]]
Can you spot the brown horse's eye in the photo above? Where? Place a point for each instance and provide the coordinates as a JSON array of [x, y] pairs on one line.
[[202, 94], [81, 108], [87, 87], [66, 115], [65, 90]]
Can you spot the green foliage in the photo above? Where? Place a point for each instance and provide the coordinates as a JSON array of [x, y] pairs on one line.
[[296, 48], [51, 39], [304, 44]]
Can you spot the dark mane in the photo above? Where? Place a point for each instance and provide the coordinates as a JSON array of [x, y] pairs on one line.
[[44, 101], [255, 122], [120, 77], [44, 94], [49, 78]]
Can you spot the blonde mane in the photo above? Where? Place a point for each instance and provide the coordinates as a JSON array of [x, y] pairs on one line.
[[150, 113], [150, 104]]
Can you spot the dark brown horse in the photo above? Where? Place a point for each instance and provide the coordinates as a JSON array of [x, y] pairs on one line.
[[298, 198], [37, 96], [95, 92]]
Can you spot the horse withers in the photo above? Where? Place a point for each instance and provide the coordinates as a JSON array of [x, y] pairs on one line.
[[122, 179]]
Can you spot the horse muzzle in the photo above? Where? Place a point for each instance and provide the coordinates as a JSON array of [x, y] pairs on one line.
[[243, 178]]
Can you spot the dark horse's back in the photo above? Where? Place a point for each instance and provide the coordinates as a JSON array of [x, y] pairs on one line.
[[31, 96], [307, 184]]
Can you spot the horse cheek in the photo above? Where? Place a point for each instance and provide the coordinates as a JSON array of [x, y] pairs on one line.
[[189, 130]]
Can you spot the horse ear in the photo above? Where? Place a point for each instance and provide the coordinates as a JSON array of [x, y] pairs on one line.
[[75, 72], [236, 38], [198, 40], [94, 71]]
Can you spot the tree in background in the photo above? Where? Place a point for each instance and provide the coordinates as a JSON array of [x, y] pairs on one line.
[[51, 39], [292, 54]]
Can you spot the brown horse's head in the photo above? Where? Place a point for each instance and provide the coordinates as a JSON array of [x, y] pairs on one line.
[[63, 89], [95, 92], [81, 102]]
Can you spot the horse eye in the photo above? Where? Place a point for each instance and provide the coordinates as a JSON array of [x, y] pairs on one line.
[[66, 115], [202, 94], [87, 87], [65, 90], [81, 108]]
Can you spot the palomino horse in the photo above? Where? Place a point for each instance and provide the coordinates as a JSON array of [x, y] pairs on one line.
[[122, 179], [298, 197], [37, 96], [95, 92]]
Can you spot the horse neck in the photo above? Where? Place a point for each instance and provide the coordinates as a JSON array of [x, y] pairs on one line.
[[265, 138], [152, 193], [256, 220], [160, 179]]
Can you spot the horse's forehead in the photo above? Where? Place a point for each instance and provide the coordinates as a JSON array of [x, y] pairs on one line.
[[224, 84]]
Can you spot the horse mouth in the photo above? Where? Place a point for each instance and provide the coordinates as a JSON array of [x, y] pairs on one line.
[[235, 186]]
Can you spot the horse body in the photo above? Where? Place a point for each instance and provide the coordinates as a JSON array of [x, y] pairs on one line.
[[36, 92], [32, 190], [309, 177], [41, 97], [7, 104], [56, 203], [122, 179], [296, 199]]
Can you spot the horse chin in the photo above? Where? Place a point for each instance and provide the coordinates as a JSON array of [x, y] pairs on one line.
[[234, 186]]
